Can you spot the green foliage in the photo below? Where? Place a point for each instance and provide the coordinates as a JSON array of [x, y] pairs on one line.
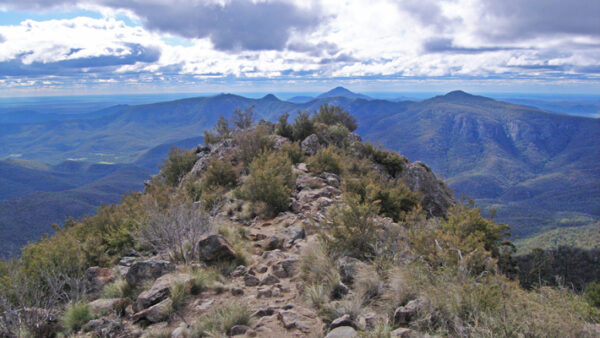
[[293, 151], [243, 119], [220, 319], [179, 162], [251, 143], [353, 228], [584, 237], [332, 115], [592, 294], [220, 173], [117, 289], [220, 132], [284, 128], [391, 161], [76, 315], [179, 291], [326, 160], [303, 126], [270, 182]]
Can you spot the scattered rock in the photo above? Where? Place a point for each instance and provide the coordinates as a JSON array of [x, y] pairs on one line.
[[294, 232], [264, 293], [310, 145], [339, 291], [215, 247], [348, 266], [405, 314], [103, 306], [156, 313], [344, 320], [285, 269], [403, 333], [272, 243], [331, 179], [239, 329], [237, 291], [159, 291], [97, 277], [240, 270], [301, 167], [279, 141], [104, 327], [342, 332], [250, 280], [269, 280], [145, 270]]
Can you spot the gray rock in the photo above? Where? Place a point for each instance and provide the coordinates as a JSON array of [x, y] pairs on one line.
[[240, 270], [331, 179], [159, 291], [215, 247], [180, 332], [294, 232], [250, 280], [237, 291], [311, 145], [405, 314], [103, 306], [97, 277], [342, 332], [285, 269], [239, 329], [146, 270], [272, 243], [127, 261], [279, 141], [404, 333], [156, 313], [437, 197], [269, 280], [344, 320], [339, 291], [348, 266]]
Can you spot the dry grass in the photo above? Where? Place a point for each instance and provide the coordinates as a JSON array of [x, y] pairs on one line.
[[221, 319]]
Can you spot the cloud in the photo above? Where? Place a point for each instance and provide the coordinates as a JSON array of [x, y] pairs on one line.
[[446, 45], [2, 38]]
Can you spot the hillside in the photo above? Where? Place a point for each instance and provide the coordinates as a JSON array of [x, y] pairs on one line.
[[288, 230], [539, 170], [584, 237]]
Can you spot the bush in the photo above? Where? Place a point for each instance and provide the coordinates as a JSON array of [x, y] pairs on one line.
[[117, 289], [303, 126], [592, 294], [178, 293], [332, 115], [220, 173], [284, 128], [326, 160], [243, 119], [293, 151], [353, 229], [270, 181], [251, 143], [219, 320], [391, 161], [76, 315], [179, 163]]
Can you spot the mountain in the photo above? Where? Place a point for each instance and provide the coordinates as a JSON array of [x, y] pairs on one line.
[[539, 170], [300, 99], [343, 92]]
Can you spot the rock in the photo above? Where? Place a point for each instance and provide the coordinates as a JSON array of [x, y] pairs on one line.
[[322, 203], [239, 329], [145, 270], [269, 280], [272, 243], [103, 306], [250, 280], [159, 291], [285, 269], [368, 321], [302, 167], [348, 266], [294, 232], [353, 137], [339, 291], [403, 333], [307, 196], [127, 261], [307, 182], [344, 320], [310, 145], [237, 291], [104, 327], [331, 179], [264, 293], [204, 155], [405, 314], [180, 332], [156, 313], [279, 141], [437, 197], [97, 277], [240, 270], [342, 332], [215, 247], [291, 319]]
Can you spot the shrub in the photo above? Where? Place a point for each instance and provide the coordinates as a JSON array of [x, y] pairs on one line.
[[219, 320], [332, 115], [284, 128], [243, 119], [270, 182], [76, 315], [117, 289], [391, 161], [179, 163], [220, 173], [353, 229], [293, 151], [303, 126], [592, 294], [178, 293], [336, 134], [326, 160], [317, 267], [251, 143]]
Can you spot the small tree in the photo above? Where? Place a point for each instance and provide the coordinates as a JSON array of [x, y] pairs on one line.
[[180, 162], [284, 128], [243, 119], [331, 115], [303, 126]]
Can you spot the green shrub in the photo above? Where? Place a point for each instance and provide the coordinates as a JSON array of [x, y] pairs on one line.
[[270, 181], [219, 320], [178, 293], [326, 160], [332, 115], [117, 289], [243, 119], [303, 126], [251, 143], [220, 173], [336, 134], [592, 294], [293, 151], [391, 161], [284, 128], [353, 229], [76, 315], [179, 162]]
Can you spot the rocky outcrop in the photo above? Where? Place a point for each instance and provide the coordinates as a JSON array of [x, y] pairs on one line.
[[156, 313], [214, 248], [342, 332], [437, 197], [311, 145], [147, 270], [405, 314], [97, 277]]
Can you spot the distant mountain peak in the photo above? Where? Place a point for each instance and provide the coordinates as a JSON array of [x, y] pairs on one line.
[[462, 96], [270, 97], [343, 92]]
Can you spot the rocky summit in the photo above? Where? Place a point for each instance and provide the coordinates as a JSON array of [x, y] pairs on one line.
[[282, 230]]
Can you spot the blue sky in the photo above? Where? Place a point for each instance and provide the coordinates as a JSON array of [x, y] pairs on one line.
[[58, 47]]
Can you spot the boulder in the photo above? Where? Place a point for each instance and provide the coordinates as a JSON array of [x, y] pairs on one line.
[[156, 313], [214, 248], [344, 320], [331, 179], [279, 141], [97, 277], [310, 145], [285, 269], [307, 196], [348, 267], [405, 314], [292, 319], [339, 291], [159, 291], [102, 305], [437, 197], [269, 280], [294, 232], [403, 333], [250, 280], [272, 243], [342, 332], [146, 270], [238, 330]]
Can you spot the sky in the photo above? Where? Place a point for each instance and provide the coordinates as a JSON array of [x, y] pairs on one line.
[[71, 47]]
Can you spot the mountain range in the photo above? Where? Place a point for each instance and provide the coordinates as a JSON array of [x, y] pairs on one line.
[[537, 169]]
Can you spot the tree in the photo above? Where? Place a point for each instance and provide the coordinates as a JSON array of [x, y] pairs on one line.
[[243, 119]]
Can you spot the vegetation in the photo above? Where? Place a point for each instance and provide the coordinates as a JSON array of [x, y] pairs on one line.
[[221, 319], [76, 315], [179, 163], [326, 160], [332, 115]]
